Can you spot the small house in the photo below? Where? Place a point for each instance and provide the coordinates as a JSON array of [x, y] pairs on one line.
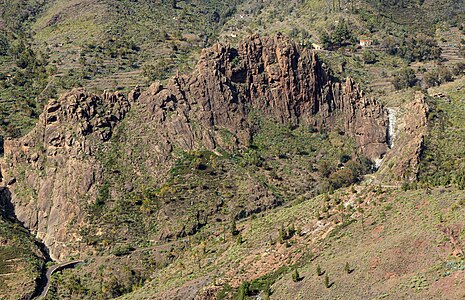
[[366, 42]]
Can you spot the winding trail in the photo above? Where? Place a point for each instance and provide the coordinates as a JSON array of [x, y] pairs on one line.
[[53, 269]]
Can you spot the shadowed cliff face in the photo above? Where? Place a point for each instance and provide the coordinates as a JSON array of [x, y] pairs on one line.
[[53, 173]]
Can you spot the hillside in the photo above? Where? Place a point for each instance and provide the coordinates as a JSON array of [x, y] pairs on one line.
[[232, 149], [397, 245], [21, 257], [53, 46], [49, 47]]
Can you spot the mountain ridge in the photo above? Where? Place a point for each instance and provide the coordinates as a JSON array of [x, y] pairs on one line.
[[70, 130], [261, 160]]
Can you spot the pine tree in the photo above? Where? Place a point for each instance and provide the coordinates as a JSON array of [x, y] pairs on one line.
[[327, 284], [234, 230], [239, 239], [295, 276], [281, 235], [347, 268], [318, 270]]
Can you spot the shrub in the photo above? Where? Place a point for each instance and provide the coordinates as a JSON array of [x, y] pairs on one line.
[[369, 57], [122, 250], [438, 76], [404, 78], [327, 283], [295, 275], [341, 178], [243, 291], [4, 45], [158, 71]]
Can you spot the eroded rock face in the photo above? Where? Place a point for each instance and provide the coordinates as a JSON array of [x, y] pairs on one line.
[[270, 76], [52, 172], [402, 162]]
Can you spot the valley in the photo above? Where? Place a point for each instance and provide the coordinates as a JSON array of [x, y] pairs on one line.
[[232, 149]]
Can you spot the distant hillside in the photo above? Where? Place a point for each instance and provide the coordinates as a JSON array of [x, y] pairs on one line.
[[48, 47]]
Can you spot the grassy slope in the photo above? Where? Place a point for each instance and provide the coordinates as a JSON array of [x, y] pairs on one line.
[[20, 261], [99, 45], [402, 251], [398, 248]]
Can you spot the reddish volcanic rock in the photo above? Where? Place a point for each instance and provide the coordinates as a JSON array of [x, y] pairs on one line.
[[53, 173]]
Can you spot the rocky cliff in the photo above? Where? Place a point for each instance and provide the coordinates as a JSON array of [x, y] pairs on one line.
[[270, 76], [54, 173], [402, 162]]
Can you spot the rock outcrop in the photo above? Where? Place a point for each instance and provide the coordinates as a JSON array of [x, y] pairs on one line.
[[402, 162], [270, 76], [53, 173]]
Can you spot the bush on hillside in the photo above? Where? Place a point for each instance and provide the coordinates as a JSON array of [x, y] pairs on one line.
[[339, 37], [404, 78]]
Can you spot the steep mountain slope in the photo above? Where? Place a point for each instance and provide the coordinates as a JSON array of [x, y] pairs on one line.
[[56, 168], [221, 181], [21, 259], [209, 110], [96, 174]]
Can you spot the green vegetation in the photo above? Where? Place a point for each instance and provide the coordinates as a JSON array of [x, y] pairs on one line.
[[257, 218], [404, 78], [319, 272], [327, 283], [49, 47], [296, 276], [338, 37], [441, 161], [381, 238], [20, 260], [347, 268]]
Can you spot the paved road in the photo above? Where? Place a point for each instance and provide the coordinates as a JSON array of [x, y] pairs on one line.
[[53, 269]]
